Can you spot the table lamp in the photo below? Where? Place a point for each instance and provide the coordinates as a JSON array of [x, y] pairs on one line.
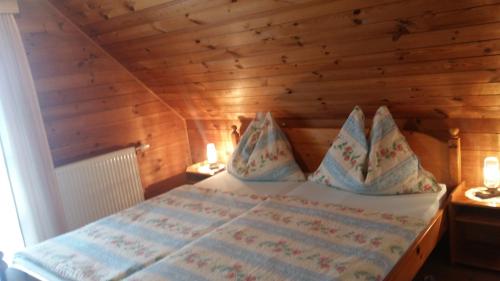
[[491, 179], [212, 156]]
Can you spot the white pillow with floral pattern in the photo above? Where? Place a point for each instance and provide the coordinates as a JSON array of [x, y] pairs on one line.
[[344, 165], [393, 168], [264, 153], [387, 166]]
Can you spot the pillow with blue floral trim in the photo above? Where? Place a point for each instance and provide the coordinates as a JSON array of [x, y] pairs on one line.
[[264, 154], [393, 168], [344, 165], [387, 166]]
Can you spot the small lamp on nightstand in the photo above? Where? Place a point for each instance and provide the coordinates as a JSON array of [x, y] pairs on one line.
[[209, 167], [491, 173], [491, 179], [212, 156]]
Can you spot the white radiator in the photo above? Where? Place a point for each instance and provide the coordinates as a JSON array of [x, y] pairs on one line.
[[99, 186]]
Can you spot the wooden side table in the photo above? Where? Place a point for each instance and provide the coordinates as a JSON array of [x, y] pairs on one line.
[[201, 171], [474, 231]]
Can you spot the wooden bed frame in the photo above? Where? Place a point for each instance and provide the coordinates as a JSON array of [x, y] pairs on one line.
[[440, 157], [433, 158]]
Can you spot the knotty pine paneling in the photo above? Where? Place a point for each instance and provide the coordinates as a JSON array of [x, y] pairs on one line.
[[91, 104], [308, 60], [305, 58]]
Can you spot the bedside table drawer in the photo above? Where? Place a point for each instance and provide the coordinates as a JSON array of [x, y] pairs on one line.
[[483, 233], [475, 215]]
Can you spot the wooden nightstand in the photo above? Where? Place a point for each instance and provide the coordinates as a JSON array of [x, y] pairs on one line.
[[474, 231], [201, 171]]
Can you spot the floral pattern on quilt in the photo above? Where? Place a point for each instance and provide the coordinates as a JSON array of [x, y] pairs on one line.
[[386, 166], [287, 238], [264, 154], [116, 246]]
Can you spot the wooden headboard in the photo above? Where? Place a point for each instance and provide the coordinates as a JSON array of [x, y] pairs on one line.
[[440, 157]]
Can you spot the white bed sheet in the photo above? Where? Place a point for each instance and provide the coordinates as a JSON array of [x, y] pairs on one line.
[[226, 182], [423, 206]]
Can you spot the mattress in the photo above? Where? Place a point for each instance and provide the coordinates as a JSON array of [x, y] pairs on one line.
[[226, 182], [423, 206]]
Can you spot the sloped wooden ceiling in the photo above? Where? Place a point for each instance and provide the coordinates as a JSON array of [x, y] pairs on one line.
[[91, 104], [220, 59]]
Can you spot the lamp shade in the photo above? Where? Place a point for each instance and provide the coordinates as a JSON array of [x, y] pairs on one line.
[[211, 153], [491, 172]]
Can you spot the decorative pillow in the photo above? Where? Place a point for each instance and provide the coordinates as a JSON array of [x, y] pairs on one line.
[[344, 165], [393, 168], [264, 153]]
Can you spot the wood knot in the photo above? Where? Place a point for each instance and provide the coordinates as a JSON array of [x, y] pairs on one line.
[[319, 75], [357, 21], [441, 113], [401, 29]]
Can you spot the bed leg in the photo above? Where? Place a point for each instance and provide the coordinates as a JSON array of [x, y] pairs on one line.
[[3, 268]]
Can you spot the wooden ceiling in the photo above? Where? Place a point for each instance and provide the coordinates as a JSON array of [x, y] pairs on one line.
[[219, 59]]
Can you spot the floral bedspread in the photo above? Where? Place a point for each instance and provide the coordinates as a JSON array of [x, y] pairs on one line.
[[287, 238], [116, 246]]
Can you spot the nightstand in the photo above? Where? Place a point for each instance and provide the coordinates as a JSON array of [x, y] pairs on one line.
[[201, 171], [474, 231]]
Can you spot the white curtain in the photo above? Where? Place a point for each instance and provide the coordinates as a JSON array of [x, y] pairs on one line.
[[24, 142]]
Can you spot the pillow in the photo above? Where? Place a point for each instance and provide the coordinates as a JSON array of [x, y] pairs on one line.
[[264, 153], [390, 167], [344, 165], [393, 168]]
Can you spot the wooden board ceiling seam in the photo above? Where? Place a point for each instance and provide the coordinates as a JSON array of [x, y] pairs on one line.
[[126, 70]]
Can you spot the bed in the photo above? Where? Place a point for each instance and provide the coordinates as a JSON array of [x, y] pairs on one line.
[[440, 153], [238, 197], [279, 239]]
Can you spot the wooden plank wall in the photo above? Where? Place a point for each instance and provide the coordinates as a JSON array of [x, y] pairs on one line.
[[91, 104], [312, 59]]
